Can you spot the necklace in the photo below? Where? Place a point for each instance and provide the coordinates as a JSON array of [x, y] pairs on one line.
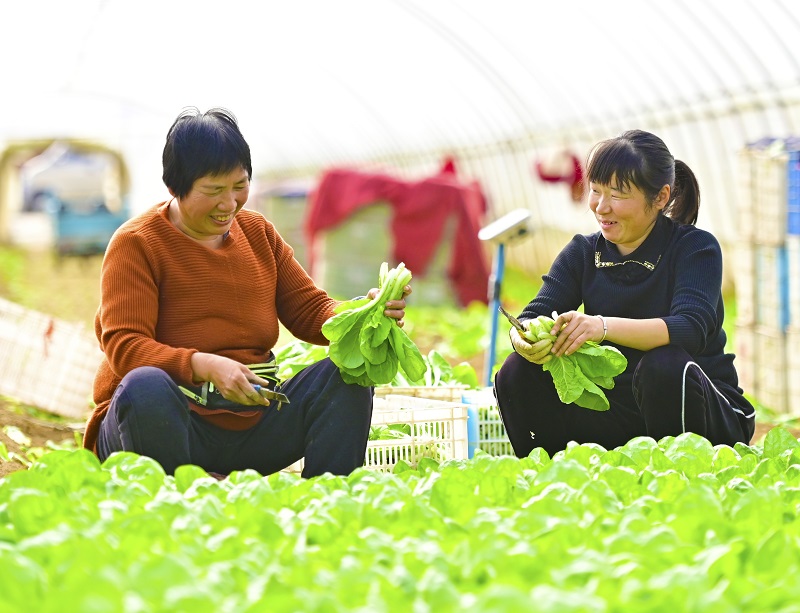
[[600, 264]]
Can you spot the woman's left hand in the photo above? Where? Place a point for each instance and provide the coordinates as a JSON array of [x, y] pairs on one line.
[[396, 309], [574, 329]]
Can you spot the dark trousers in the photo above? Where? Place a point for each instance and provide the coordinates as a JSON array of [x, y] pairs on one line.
[[327, 422], [669, 395]]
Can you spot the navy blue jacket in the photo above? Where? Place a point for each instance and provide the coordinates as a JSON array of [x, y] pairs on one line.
[[675, 274]]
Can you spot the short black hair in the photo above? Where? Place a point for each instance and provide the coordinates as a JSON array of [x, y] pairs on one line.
[[201, 144]]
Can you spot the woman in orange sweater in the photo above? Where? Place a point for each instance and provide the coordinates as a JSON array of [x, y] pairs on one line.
[[192, 291]]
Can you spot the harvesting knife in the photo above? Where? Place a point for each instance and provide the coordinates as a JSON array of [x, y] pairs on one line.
[[270, 395], [514, 321]]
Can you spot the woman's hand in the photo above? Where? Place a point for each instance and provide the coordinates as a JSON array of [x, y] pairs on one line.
[[396, 309], [233, 380], [573, 329], [537, 352]]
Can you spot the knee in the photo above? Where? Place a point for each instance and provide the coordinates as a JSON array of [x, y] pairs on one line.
[[350, 398], [516, 370], [511, 369], [145, 390], [661, 366], [144, 378]]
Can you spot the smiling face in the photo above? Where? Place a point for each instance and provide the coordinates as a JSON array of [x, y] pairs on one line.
[[623, 213], [207, 211]]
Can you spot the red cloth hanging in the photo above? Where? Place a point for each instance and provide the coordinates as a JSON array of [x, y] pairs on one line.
[[420, 210], [563, 168]]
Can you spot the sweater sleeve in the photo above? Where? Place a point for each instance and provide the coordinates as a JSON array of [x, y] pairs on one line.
[[128, 318], [694, 317]]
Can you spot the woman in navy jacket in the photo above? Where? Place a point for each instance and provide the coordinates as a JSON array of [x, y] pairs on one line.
[[650, 283]]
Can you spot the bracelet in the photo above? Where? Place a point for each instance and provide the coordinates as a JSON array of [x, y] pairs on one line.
[[605, 328]]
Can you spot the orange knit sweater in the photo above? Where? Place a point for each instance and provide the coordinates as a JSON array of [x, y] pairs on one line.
[[165, 297]]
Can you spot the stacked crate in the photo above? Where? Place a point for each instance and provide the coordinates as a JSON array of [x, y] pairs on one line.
[[793, 276], [767, 278]]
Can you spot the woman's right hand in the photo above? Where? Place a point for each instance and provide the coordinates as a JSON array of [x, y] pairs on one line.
[[233, 380], [537, 352]]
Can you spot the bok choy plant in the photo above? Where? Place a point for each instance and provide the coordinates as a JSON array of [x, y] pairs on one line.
[[368, 347], [579, 377]]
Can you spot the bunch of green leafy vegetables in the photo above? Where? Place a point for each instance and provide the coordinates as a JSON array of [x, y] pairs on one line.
[[579, 377], [296, 355], [368, 347]]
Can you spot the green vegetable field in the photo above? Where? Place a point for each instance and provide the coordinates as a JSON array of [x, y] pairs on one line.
[[676, 525], [671, 526]]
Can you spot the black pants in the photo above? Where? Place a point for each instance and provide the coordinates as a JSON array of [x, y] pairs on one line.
[[327, 422], [669, 395]]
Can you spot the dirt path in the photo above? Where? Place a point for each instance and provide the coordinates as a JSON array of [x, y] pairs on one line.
[[38, 431]]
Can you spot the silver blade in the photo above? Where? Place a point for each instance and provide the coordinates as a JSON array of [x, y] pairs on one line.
[[270, 395], [514, 321]]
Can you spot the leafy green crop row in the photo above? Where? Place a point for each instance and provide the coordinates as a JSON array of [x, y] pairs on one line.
[[676, 525]]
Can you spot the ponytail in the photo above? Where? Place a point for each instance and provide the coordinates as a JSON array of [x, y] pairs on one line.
[[685, 202]]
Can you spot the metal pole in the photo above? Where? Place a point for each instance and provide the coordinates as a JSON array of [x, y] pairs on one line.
[[495, 284]]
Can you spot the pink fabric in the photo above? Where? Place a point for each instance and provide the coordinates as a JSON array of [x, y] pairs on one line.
[[420, 211]]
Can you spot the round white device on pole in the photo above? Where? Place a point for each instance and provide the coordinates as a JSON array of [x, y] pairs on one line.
[[509, 227]]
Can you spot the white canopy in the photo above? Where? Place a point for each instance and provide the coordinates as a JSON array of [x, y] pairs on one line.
[[321, 82]]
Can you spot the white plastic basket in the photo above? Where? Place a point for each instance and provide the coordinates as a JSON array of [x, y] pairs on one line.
[[491, 437], [437, 430]]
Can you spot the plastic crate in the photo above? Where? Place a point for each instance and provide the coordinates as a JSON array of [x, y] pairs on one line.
[[770, 197], [446, 393], [744, 263], [436, 429], [771, 372], [793, 194], [485, 427], [793, 374], [491, 436], [772, 286], [744, 202], [793, 279]]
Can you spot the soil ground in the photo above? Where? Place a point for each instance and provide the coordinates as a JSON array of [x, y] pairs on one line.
[[38, 430]]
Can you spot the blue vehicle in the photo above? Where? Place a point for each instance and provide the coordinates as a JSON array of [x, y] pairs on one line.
[[82, 193], [80, 231]]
